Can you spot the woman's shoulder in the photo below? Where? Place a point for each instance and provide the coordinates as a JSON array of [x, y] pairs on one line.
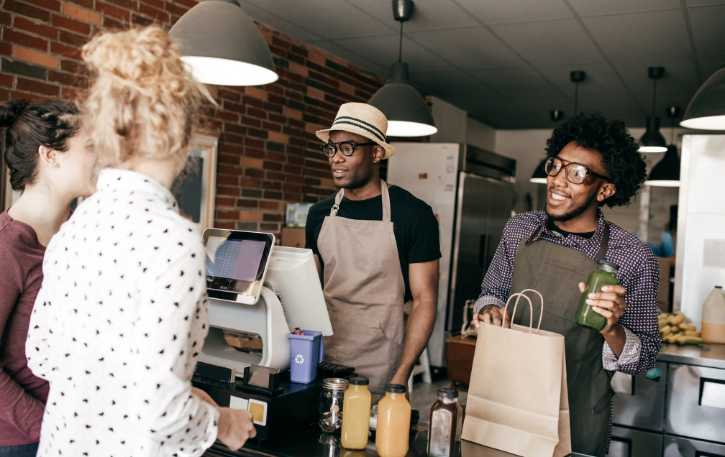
[[175, 234], [21, 256], [136, 222], [18, 239], [10, 255]]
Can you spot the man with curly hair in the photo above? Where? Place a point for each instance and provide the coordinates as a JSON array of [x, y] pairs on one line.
[[592, 161]]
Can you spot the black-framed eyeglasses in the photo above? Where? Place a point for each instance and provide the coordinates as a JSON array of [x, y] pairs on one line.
[[576, 173], [346, 147]]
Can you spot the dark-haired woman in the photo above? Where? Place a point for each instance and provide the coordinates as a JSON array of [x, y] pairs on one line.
[[50, 161]]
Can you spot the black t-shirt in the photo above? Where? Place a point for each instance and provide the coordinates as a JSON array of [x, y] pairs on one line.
[[553, 227], [415, 226]]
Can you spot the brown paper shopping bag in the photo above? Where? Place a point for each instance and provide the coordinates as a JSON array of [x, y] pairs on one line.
[[517, 399]]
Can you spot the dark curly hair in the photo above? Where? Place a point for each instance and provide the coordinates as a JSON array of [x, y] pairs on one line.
[[620, 156], [29, 125]]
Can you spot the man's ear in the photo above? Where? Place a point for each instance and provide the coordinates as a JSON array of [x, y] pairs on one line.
[[378, 153], [605, 191]]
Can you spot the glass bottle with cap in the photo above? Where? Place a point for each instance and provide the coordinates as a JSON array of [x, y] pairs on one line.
[[331, 404], [713, 317], [446, 422], [393, 427], [356, 421], [606, 275]]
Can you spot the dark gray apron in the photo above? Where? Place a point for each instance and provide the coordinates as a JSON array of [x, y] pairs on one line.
[[555, 271]]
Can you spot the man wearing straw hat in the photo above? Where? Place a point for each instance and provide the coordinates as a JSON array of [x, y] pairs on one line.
[[377, 246]]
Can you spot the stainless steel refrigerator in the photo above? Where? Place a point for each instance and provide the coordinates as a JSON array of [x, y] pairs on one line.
[[471, 192]]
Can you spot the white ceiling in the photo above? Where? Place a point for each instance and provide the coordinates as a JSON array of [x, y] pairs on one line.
[[507, 62]]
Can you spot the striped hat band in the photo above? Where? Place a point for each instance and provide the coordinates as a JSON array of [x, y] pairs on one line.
[[360, 124]]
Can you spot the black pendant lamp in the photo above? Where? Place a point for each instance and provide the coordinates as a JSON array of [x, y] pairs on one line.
[[408, 114], [539, 176], [652, 140], [707, 108], [577, 77], [223, 46], [667, 171]]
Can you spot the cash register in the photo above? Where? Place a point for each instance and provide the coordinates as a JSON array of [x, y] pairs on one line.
[[258, 293]]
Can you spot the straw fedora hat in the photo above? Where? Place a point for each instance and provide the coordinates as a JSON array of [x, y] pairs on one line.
[[361, 119]]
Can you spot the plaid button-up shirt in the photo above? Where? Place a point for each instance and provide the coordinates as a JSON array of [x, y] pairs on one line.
[[638, 273]]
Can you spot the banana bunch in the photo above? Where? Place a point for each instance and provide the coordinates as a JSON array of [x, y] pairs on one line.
[[674, 329]]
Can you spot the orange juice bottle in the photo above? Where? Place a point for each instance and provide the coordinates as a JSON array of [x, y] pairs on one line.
[[356, 416], [393, 426]]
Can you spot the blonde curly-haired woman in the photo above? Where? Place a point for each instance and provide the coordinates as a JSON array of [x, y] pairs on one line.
[[121, 317]]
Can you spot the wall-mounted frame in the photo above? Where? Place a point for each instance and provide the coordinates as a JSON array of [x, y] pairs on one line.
[[196, 191]]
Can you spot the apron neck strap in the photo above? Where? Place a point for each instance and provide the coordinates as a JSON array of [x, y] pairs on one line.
[[535, 235], [604, 244], [384, 194], [386, 201], [338, 200]]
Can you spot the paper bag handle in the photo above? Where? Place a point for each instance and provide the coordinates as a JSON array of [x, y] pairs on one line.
[[541, 315], [516, 304], [531, 308]]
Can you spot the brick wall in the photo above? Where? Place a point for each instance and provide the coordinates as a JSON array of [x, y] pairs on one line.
[[267, 148]]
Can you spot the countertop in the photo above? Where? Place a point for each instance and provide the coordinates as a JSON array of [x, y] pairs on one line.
[[318, 444], [709, 355]]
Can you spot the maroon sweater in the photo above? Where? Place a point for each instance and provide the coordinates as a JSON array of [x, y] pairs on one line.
[[22, 394]]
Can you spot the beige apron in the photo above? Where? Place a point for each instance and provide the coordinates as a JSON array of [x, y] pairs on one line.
[[365, 294]]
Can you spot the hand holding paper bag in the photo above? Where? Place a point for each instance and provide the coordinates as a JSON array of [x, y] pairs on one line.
[[518, 400]]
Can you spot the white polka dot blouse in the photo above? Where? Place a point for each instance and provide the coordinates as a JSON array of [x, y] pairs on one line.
[[118, 326]]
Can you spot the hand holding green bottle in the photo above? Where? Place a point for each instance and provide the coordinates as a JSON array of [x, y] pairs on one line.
[[609, 303]]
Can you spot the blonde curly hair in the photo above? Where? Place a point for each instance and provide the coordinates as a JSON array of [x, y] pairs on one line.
[[143, 102]]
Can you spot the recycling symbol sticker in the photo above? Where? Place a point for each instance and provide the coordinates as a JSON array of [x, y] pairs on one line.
[[299, 359]]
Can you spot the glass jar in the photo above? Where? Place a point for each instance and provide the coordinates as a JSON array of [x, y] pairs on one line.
[[330, 406], [606, 275], [446, 420]]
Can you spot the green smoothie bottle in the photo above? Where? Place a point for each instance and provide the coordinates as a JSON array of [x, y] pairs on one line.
[[606, 275]]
